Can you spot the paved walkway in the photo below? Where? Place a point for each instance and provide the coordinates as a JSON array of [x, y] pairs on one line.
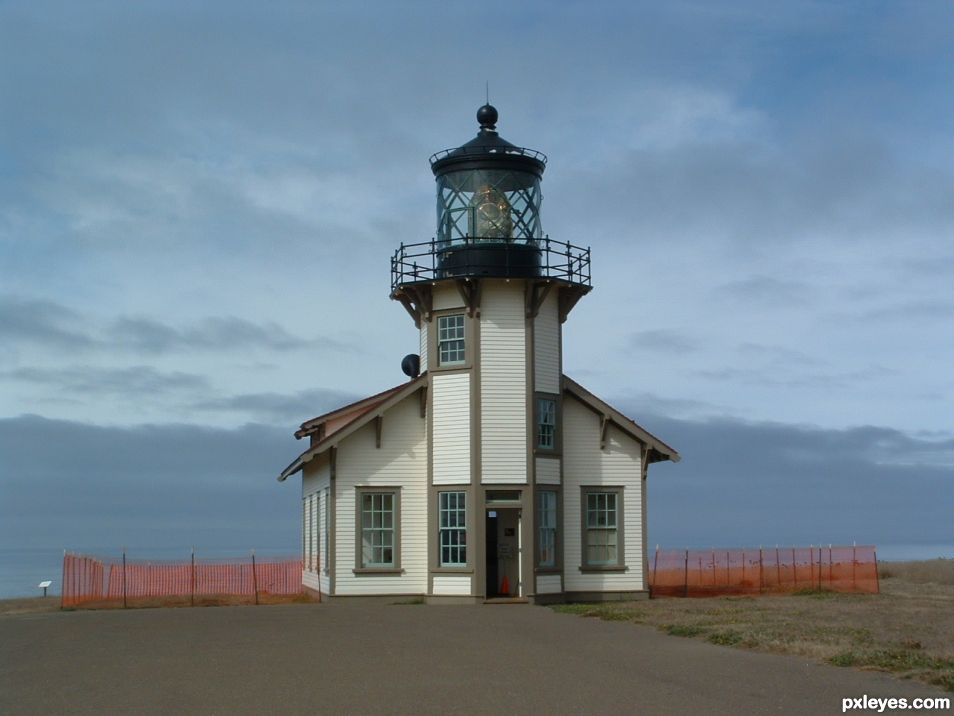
[[415, 659]]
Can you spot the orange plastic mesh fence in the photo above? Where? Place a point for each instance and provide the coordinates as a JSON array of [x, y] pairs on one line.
[[106, 581], [705, 573]]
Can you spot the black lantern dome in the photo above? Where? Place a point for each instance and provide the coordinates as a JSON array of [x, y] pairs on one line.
[[488, 205], [488, 217]]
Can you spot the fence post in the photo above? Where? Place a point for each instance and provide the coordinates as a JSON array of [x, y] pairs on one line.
[[192, 580], [874, 554], [794, 568], [124, 578], [829, 565], [761, 583], [854, 561], [685, 581], [254, 577], [811, 567], [655, 564], [63, 583]]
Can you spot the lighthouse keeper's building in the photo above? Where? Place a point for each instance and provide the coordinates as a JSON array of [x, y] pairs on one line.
[[489, 474]]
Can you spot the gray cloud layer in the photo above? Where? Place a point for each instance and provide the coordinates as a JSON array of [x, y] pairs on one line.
[[738, 484]]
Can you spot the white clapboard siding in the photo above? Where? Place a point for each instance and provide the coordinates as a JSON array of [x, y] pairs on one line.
[[548, 470], [452, 584], [584, 464], [324, 536], [401, 461], [503, 383], [316, 477], [546, 347], [446, 296], [451, 425], [548, 584], [312, 581], [425, 327]]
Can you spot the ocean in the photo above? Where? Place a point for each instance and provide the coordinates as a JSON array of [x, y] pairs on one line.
[[22, 569]]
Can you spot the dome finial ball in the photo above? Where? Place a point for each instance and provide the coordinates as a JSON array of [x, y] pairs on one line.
[[487, 116]]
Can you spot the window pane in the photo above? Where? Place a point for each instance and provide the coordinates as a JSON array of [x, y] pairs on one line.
[[453, 535], [450, 339], [601, 533], [377, 529], [546, 422]]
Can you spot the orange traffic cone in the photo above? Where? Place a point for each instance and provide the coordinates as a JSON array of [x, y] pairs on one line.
[[505, 586]]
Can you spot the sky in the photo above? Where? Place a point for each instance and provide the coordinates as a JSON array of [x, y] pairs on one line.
[[198, 203]]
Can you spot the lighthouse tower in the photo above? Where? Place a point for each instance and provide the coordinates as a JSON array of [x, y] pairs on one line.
[[489, 294], [489, 475]]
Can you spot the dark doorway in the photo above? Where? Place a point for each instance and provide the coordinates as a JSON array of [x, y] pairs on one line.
[[491, 552]]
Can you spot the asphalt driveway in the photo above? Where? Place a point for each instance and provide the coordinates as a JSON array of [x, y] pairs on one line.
[[331, 659]]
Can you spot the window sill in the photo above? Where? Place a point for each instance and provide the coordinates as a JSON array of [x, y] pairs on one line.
[[377, 570], [548, 570], [452, 570], [608, 568]]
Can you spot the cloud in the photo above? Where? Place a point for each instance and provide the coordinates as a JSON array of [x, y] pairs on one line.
[[790, 378], [220, 333], [288, 409], [745, 484], [43, 322], [766, 290], [52, 325], [738, 483], [129, 382], [662, 341], [146, 486]]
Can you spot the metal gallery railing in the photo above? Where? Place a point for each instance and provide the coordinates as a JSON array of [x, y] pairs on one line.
[[492, 257]]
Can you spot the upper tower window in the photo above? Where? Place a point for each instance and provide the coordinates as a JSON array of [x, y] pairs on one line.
[[546, 423], [450, 339]]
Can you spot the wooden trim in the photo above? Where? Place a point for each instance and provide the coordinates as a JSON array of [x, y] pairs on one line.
[[536, 294]]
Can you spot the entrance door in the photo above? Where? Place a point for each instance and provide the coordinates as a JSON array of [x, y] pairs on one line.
[[503, 553]]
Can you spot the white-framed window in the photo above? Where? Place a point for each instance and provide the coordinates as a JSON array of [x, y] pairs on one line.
[[546, 423], [315, 544], [378, 528], [602, 527], [305, 538], [547, 517], [450, 339], [452, 507], [325, 530]]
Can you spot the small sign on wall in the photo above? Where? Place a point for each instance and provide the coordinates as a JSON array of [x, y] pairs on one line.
[[510, 531]]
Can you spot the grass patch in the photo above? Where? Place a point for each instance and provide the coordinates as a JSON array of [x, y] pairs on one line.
[[929, 571], [688, 630], [602, 611], [906, 630], [726, 638], [814, 593]]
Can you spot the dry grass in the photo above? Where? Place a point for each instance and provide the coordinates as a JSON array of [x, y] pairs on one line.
[[907, 630], [932, 571], [49, 604], [29, 605]]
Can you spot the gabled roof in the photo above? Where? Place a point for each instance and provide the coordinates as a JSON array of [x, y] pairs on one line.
[[342, 422], [658, 450], [331, 428]]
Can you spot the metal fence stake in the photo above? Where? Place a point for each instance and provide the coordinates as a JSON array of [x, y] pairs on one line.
[[125, 605], [254, 577]]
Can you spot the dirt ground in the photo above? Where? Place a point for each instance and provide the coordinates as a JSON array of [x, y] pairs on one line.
[[907, 629]]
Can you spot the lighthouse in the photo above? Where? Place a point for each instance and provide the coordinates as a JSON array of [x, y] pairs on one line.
[[489, 475]]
